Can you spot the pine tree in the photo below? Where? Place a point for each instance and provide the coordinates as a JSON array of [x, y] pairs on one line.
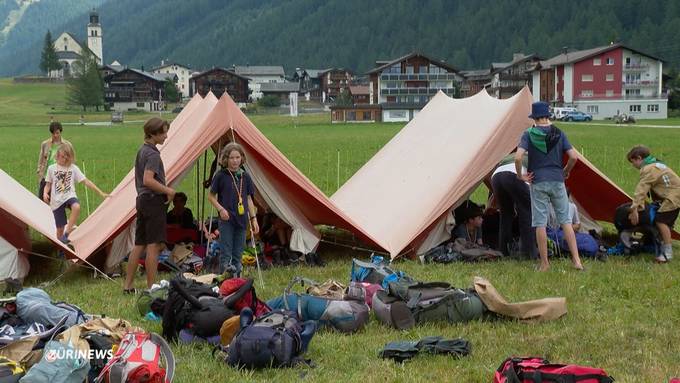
[[48, 58], [85, 87], [170, 91]]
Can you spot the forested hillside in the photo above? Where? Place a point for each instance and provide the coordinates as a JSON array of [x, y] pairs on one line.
[[352, 33]]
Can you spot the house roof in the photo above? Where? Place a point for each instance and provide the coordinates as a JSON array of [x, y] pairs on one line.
[[165, 76], [408, 56], [498, 67], [67, 55], [321, 73], [359, 89], [279, 87], [73, 37], [315, 73], [217, 69], [576, 56], [114, 67], [165, 65], [152, 76], [259, 70], [476, 73]]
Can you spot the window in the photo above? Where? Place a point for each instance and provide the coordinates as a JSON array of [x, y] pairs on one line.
[[140, 104], [632, 92], [409, 69], [635, 108], [609, 77], [610, 61], [367, 116], [653, 108], [597, 61], [586, 77], [632, 77], [351, 116], [609, 93], [587, 93], [592, 109], [397, 114]]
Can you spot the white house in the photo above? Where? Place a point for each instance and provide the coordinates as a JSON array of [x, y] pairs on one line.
[[69, 49], [183, 73], [259, 75]]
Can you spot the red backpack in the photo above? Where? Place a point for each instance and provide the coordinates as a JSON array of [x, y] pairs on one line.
[[239, 293], [539, 370], [138, 360]]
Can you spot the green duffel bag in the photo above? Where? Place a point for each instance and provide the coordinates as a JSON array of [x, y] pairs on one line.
[[147, 296], [406, 305]]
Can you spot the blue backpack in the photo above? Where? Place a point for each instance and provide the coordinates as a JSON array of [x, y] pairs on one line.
[[377, 271], [276, 339]]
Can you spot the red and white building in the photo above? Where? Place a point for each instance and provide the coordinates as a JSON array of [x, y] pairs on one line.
[[603, 81]]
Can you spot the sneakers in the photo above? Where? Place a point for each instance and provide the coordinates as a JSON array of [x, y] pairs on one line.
[[667, 250]]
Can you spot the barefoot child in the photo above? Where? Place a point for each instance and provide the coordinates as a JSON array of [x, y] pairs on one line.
[[60, 189], [664, 185]]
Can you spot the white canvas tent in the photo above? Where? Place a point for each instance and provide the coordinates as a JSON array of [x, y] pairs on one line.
[[403, 195]]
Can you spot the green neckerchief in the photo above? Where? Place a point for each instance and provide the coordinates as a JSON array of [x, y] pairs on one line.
[[650, 159], [537, 137]]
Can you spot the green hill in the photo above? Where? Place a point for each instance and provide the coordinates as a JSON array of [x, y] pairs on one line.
[[355, 33]]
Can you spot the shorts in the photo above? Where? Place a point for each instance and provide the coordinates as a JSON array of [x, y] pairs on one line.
[[151, 217], [667, 217], [60, 212], [545, 193]]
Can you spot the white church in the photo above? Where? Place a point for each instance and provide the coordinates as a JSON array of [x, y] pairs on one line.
[[69, 49]]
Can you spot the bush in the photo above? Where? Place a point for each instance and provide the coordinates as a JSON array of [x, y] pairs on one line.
[[672, 113], [269, 101]]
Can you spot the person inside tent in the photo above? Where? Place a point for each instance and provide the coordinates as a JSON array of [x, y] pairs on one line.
[[276, 234], [469, 218], [585, 243], [180, 221]]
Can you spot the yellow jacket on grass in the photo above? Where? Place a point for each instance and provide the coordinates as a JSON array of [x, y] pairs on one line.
[[662, 182]]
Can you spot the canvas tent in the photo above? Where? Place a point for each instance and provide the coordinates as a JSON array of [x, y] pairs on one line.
[[20, 209], [283, 187]]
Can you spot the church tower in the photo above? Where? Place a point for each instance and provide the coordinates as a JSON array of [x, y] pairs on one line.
[[94, 36]]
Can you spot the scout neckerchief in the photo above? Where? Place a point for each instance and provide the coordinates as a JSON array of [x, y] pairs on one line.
[[239, 190], [650, 159], [542, 141]]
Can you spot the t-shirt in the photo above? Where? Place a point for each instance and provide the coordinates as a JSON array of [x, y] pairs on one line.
[[64, 180], [546, 166], [148, 158], [185, 220], [52, 156], [225, 184], [461, 231], [573, 214]]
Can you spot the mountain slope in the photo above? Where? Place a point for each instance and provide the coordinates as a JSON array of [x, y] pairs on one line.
[[355, 33]]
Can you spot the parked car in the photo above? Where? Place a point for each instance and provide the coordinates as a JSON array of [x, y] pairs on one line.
[[117, 117], [560, 111], [577, 116]]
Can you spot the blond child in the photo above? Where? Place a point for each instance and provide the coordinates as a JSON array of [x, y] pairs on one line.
[[60, 189]]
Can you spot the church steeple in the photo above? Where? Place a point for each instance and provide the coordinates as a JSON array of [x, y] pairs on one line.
[[94, 36]]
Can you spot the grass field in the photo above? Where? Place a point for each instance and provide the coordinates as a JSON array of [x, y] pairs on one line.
[[623, 314]]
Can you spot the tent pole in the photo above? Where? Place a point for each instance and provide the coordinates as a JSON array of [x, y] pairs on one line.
[[87, 199], [201, 212], [257, 258], [354, 247]]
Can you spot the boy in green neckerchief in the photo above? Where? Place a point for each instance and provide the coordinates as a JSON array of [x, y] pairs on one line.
[[663, 185]]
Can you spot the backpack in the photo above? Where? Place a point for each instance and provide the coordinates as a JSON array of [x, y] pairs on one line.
[[35, 305], [539, 370], [193, 305], [276, 339], [376, 271], [362, 291], [403, 306], [147, 297], [60, 363], [343, 315], [138, 359], [101, 346], [10, 371], [239, 293]]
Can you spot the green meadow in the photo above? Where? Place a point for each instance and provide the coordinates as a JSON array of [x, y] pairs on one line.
[[623, 314]]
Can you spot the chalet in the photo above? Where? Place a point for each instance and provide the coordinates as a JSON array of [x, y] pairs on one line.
[[509, 78], [183, 73], [333, 82], [603, 82], [135, 89], [310, 82], [361, 94], [258, 75], [109, 69], [219, 80], [404, 85], [475, 81], [282, 90]]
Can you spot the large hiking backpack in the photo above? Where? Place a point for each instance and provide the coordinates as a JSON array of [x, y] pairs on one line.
[[101, 346], [35, 305], [539, 370], [276, 339], [376, 271], [343, 315], [138, 359], [403, 306], [193, 305], [60, 363], [240, 293]]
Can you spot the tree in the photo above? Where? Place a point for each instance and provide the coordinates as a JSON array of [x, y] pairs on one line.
[[170, 91], [48, 58], [269, 100], [343, 99], [85, 87]]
